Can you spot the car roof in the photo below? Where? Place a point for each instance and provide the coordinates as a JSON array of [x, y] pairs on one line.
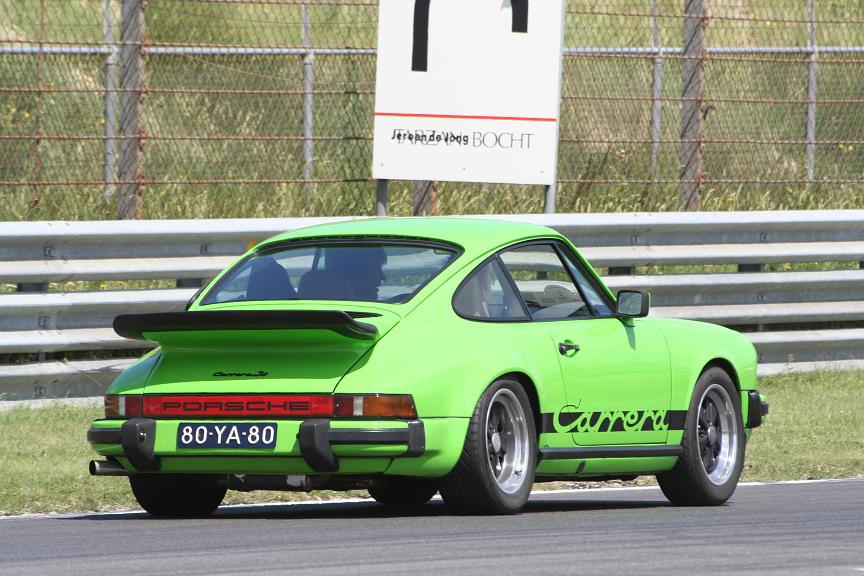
[[473, 235]]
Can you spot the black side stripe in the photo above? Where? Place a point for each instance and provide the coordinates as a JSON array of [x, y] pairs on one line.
[[547, 423], [673, 418], [676, 419]]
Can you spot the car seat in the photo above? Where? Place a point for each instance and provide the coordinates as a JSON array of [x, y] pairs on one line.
[[269, 281], [324, 285]]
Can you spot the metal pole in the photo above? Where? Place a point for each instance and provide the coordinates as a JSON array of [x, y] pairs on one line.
[[381, 197], [308, 102], [131, 35], [110, 100], [811, 93], [656, 97], [423, 198], [693, 104], [551, 197]]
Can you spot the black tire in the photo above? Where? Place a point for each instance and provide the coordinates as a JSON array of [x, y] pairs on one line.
[[476, 485], [707, 472], [174, 496], [404, 492]]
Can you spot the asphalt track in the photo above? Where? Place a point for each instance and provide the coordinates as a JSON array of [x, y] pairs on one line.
[[787, 528]]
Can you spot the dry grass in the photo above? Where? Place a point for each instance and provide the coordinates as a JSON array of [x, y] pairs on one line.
[[44, 456], [604, 159]]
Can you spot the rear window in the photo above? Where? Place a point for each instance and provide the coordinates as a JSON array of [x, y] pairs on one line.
[[368, 272]]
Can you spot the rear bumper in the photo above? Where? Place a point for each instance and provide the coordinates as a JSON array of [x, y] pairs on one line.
[[316, 440], [144, 442]]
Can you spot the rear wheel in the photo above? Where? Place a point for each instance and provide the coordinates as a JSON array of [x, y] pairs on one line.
[[404, 492], [495, 473], [173, 496], [707, 472]]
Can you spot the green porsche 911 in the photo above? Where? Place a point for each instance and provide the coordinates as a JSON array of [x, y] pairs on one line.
[[414, 356]]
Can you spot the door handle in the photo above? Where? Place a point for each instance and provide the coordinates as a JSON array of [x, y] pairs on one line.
[[565, 348]]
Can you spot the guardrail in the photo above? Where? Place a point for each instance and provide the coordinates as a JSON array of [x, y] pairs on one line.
[[798, 319]]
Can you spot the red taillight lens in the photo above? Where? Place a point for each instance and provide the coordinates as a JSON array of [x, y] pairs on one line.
[[347, 406], [133, 406], [252, 405], [385, 406], [237, 405], [122, 406]]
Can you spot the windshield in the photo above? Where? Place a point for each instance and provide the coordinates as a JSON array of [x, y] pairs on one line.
[[369, 272]]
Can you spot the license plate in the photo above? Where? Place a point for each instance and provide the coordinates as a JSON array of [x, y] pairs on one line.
[[245, 435]]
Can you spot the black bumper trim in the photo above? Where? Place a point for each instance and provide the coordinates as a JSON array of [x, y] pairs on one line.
[[103, 436], [316, 438], [609, 452], [138, 438], [756, 409]]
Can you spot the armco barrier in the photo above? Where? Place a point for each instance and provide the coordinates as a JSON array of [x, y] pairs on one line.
[[816, 310]]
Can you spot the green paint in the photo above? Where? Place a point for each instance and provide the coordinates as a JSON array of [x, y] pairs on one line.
[[631, 372]]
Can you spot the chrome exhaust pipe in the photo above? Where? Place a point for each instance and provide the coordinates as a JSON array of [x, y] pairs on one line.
[[107, 468]]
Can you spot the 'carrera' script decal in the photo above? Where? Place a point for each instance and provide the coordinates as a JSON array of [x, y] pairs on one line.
[[259, 374], [569, 420]]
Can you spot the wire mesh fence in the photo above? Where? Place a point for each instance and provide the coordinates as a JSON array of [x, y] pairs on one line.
[[220, 108]]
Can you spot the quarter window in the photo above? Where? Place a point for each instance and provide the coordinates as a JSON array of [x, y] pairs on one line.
[[544, 283], [488, 295]]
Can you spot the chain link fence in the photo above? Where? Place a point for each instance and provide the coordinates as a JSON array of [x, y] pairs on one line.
[[245, 108]]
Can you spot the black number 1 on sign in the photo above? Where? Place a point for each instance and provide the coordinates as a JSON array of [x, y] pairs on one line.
[[420, 51]]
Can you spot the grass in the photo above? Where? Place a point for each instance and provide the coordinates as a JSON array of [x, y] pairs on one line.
[[815, 430], [44, 456], [605, 100]]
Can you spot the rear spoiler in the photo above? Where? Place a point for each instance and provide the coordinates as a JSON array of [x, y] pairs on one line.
[[135, 326]]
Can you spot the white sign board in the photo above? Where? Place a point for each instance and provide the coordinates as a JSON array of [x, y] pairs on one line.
[[468, 90]]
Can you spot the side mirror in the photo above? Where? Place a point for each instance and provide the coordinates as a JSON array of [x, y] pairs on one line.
[[633, 304]]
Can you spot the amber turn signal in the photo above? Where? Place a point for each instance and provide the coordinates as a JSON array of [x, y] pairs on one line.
[[375, 406], [122, 406]]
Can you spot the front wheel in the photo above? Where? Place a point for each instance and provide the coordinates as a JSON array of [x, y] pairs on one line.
[[707, 472], [177, 496], [495, 472]]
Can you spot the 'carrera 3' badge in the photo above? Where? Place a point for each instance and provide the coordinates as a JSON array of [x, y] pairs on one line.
[[259, 374]]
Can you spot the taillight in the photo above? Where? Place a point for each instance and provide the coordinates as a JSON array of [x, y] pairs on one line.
[[122, 406], [375, 406], [237, 405], [257, 405]]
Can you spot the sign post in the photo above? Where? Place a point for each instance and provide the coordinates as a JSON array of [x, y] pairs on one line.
[[468, 91]]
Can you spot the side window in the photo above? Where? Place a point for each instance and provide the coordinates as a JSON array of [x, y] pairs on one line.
[[589, 288], [487, 295], [235, 288], [544, 283]]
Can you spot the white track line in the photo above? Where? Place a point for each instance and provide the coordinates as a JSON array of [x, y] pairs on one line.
[[361, 500]]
